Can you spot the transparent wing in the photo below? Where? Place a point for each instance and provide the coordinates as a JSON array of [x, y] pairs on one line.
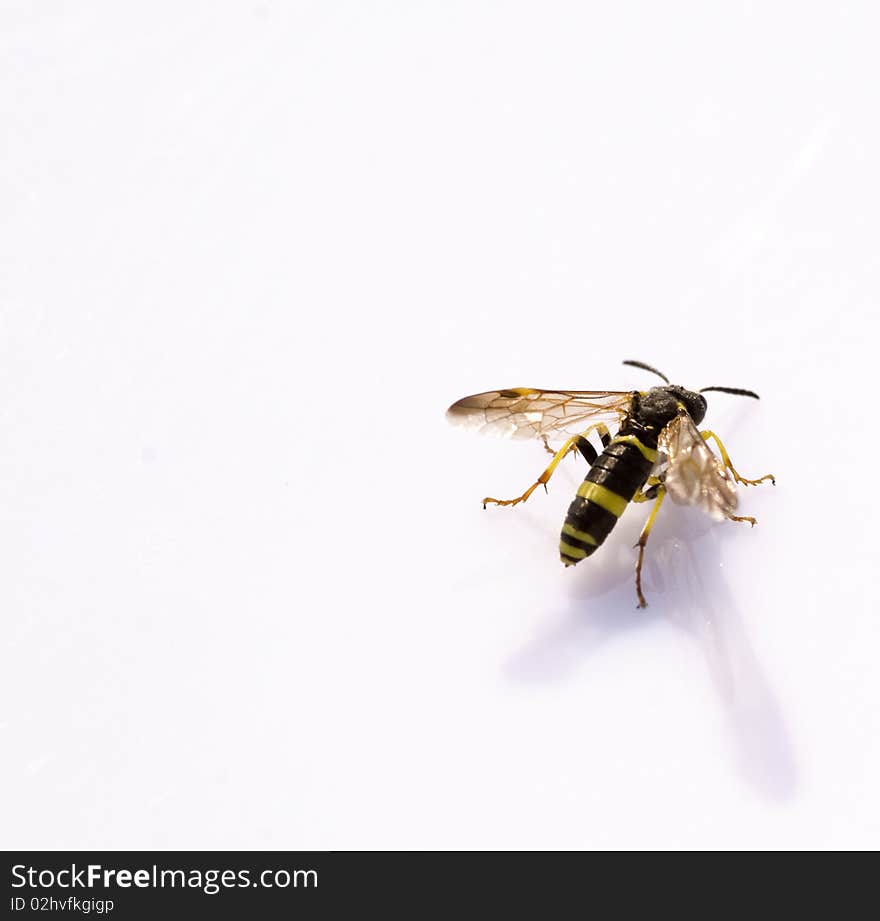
[[691, 473], [525, 413]]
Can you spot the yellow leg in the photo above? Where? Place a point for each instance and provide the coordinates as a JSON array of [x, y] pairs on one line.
[[550, 450], [726, 458], [570, 445], [648, 494], [599, 427], [751, 521], [643, 539]]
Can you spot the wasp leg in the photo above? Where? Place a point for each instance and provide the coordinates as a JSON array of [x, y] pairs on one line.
[[726, 458], [643, 539], [751, 521], [580, 443], [575, 443], [650, 493], [552, 451]]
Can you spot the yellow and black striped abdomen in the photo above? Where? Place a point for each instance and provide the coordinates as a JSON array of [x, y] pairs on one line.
[[616, 475]]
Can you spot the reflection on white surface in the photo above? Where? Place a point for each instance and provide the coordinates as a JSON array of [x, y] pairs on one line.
[[685, 580]]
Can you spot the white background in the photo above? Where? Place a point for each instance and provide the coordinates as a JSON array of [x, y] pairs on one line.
[[249, 252]]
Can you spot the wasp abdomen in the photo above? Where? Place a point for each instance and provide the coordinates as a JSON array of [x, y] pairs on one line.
[[619, 472]]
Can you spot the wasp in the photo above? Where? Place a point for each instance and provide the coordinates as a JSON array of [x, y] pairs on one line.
[[657, 451]]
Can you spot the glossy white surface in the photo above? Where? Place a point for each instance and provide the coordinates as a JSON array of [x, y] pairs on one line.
[[250, 252]]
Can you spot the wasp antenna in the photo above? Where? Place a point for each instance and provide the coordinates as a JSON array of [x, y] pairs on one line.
[[644, 367], [736, 391]]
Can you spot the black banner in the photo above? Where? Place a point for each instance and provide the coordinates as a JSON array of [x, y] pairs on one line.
[[302, 884]]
